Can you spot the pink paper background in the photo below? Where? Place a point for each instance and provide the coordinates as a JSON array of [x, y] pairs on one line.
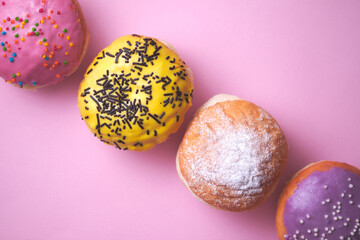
[[300, 60]]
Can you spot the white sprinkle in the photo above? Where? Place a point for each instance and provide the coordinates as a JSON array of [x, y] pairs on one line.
[[326, 216], [350, 195], [343, 195], [301, 221], [351, 202], [349, 179], [308, 216], [325, 187], [323, 202], [328, 200], [316, 230], [309, 230], [351, 186], [345, 224]]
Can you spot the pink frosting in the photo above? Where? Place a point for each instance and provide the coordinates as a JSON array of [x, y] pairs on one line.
[[48, 48]]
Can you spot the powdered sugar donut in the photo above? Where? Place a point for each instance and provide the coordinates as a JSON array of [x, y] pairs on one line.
[[42, 41], [232, 154], [322, 201]]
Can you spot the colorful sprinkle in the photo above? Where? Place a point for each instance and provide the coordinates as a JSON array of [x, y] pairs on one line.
[[34, 30]]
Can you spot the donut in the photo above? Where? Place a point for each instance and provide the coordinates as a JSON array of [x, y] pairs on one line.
[[135, 93], [232, 155], [322, 201], [42, 41]]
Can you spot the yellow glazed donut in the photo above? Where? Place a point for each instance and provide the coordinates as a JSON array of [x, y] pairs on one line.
[[135, 93]]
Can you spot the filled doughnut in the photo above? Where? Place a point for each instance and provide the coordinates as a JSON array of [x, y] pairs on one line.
[[322, 201], [232, 155], [135, 93], [42, 41]]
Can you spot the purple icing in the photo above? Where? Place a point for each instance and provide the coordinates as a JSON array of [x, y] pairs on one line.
[[326, 205]]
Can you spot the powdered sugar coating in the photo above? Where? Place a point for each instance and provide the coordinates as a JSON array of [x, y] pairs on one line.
[[232, 159]]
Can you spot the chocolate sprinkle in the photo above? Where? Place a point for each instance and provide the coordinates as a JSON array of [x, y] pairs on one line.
[[116, 97]]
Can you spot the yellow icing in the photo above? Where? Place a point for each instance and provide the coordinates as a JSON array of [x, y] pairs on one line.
[[166, 64]]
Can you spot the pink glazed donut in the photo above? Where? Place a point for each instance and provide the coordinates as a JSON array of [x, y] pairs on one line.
[[42, 41]]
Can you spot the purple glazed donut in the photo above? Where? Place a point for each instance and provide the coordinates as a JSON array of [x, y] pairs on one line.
[[321, 202]]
